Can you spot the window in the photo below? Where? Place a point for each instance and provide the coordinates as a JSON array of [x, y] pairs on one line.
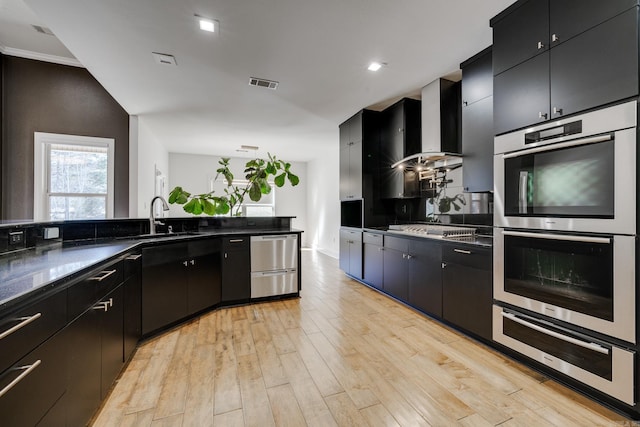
[[265, 207], [73, 177]]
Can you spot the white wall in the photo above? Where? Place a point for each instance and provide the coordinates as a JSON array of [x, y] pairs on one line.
[[193, 173], [151, 156], [323, 201]]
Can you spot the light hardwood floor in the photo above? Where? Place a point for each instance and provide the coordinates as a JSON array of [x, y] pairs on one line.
[[342, 354]]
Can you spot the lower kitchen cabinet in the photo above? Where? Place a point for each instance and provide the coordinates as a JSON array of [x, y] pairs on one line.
[[373, 253], [132, 291], [467, 288], [178, 279], [425, 276], [236, 269], [351, 251]]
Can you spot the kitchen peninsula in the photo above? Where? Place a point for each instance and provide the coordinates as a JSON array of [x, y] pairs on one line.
[[81, 294]]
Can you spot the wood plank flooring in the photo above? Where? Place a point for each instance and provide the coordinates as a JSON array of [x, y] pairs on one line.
[[343, 355]]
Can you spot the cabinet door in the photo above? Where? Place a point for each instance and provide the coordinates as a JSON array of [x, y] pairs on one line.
[[355, 170], [567, 20], [597, 67], [521, 95], [355, 254], [84, 364], [477, 145], [345, 175], [355, 127], [42, 383], [467, 298], [425, 277], [344, 129], [112, 327], [477, 78], [236, 265], [132, 293], [204, 282], [520, 35], [396, 274], [373, 262], [164, 285], [345, 251]]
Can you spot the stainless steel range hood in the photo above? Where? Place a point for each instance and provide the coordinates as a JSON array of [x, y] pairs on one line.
[[440, 129]]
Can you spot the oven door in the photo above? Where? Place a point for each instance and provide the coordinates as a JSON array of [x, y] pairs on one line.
[[577, 182], [588, 281], [603, 366]]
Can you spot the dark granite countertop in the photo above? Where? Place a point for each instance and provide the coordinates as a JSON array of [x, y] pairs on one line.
[[26, 273]]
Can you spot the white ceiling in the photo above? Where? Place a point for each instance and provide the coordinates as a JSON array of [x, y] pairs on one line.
[[317, 50]]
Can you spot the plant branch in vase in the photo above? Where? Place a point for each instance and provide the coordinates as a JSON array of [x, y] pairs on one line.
[[257, 174]]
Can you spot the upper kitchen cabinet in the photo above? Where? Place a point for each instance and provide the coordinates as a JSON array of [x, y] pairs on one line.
[[519, 33], [477, 122], [359, 140], [591, 60], [400, 137]]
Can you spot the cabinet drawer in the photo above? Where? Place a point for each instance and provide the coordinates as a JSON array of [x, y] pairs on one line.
[[238, 243], [274, 252], [373, 238], [397, 243], [25, 329], [34, 384], [469, 256], [265, 284], [85, 293]]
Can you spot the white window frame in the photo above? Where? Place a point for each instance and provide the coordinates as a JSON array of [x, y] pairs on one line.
[[221, 183], [41, 193]]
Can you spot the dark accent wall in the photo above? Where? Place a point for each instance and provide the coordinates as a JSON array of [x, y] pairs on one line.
[[44, 97]]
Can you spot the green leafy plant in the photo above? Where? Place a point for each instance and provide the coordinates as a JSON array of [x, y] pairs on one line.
[[440, 198], [257, 174]]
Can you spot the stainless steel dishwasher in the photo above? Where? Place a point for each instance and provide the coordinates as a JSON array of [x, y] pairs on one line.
[[274, 265]]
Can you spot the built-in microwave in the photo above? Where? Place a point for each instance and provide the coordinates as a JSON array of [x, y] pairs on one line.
[[574, 174]]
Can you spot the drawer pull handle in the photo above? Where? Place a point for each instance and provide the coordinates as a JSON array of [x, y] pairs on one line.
[[103, 275], [462, 251], [133, 257], [24, 322], [236, 240], [27, 370], [588, 345], [102, 305]]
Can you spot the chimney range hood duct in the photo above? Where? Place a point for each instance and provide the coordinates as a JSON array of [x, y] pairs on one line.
[[441, 129]]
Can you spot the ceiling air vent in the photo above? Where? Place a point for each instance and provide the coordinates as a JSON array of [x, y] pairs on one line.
[[269, 84], [164, 58], [43, 30]]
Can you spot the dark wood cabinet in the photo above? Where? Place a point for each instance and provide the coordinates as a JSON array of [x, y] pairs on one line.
[[373, 259], [236, 269], [588, 58], [467, 288], [589, 70], [359, 141], [425, 276], [395, 272], [132, 294], [112, 343], [350, 260], [179, 279], [400, 137], [477, 123]]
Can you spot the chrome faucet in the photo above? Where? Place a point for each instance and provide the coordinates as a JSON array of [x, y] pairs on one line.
[[152, 220]]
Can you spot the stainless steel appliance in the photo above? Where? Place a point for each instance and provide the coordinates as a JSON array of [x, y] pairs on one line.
[[274, 265], [585, 280], [434, 231], [574, 174], [601, 365]]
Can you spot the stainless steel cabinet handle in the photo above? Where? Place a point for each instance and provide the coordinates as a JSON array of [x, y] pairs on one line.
[[381, 249], [462, 251], [410, 256], [236, 240], [24, 322], [574, 143], [110, 302], [102, 305], [557, 110], [133, 257], [584, 239], [185, 263], [554, 38], [584, 344], [542, 115], [443, 265], [404, 256], [103, 275], [27, 370], [192, 262], [540, 45]]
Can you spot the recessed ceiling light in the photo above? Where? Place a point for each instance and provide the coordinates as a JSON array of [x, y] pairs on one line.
[[207, 24], [375, 66]]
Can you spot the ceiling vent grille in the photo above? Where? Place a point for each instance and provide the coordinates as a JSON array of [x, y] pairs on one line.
[[164, 58], [269, 84], [43, 30]]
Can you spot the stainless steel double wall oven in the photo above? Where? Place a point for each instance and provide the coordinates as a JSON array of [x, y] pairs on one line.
[[565, 246]]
